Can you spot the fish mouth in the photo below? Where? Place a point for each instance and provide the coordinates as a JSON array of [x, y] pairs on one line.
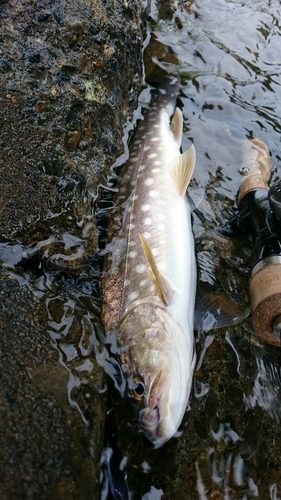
[[152, 426], [150, 420], [154, 417]]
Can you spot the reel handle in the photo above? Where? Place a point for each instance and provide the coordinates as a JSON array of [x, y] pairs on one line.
[[256, 167], [265, 283]]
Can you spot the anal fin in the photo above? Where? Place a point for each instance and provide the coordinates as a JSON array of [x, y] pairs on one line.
[[217, 311]]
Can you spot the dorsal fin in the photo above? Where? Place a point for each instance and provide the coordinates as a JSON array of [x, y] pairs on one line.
[[165, 289], [181, 169], [176, 126]]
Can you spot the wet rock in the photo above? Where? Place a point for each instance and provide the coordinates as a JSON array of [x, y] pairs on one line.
[[5, 65], [43, 440], [154, 52], [211, 403], [235, 395], [70, 76], [51, 65], [201, 427]]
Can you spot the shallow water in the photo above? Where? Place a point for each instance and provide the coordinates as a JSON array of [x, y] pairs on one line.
[[227, 55]]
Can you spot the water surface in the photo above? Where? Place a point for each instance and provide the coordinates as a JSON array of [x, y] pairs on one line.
[[227, 55]]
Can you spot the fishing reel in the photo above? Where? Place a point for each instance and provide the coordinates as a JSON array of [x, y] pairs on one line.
[[259, 214]]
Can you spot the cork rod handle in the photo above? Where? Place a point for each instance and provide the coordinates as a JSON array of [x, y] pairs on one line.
[[256, 167]]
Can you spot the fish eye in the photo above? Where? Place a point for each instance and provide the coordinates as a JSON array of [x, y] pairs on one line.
[[137, 391]]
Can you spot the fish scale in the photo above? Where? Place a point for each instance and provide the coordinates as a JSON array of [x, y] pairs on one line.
[[150, 273]]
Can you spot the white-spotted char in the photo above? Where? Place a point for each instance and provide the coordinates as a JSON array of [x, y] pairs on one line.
[[149, 277]]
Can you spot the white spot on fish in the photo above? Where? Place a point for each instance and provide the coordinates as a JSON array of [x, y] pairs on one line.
[[132, 254], [146, 148], [141, 167], [127, 282], [122, 190], [140, 268], [132, 226], [143, 282], [157, 162], [152, 155], [132, 183], [132, 243], [133, 295], [156, 170], [147, 235], [155, 139], [148, 181], [155, 251], [154, 193], [147, 221], [145, 208], [134, 159]]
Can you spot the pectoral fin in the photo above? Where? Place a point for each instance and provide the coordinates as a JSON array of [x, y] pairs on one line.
[[181, 169], [216, 311], [165, 289]]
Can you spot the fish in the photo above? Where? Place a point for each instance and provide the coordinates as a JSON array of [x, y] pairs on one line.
[[149, 275]]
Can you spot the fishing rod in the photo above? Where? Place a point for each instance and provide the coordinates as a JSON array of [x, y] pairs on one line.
[[259, 215]]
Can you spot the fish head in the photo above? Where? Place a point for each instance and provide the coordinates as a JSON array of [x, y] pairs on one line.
[[158, 366]]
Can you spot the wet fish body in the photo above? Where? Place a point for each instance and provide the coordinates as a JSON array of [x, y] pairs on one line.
[[149, 278]]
